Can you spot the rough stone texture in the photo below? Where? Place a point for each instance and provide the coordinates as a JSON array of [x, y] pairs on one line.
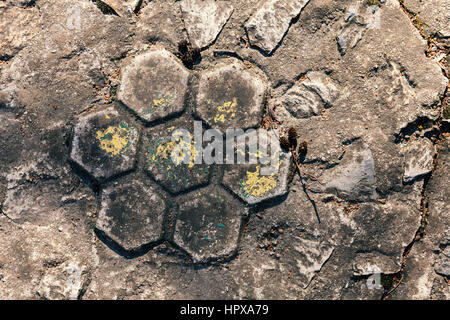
[[433, 15], [122, 7], [204, 20], [104, 144], [363, 85], [355, 24], [271, 21], [427, 266], [366, 264], [131, 214], [161, 20], [177, 176], [354, 177], [309, 97], [153, 85], [19, 26], [208, 224], [230, 96], [265, 179], [418, 166]]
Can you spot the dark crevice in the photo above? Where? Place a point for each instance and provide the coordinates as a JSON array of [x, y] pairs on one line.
[[5, 57], [104, 8], [85, 285], [85, 177], [421, 123], [188, 54], [138, 7], [30, 4], [117, 248], [225, 53], [349, 141]]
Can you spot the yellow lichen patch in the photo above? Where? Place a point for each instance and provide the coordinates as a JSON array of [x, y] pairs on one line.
[[175, 150], [256, 185], [226, 111], [114, 139], [162, 100], [164, 150]]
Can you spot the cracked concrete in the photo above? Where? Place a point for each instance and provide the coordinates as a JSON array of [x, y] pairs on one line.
[[365, 84]]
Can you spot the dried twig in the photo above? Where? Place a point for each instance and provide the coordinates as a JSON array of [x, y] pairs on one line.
[[303, 172], [290, 144]]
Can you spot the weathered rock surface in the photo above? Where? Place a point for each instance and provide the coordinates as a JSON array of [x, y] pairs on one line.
[[267, 177], [131, 214], [231, 96], [419, 159], [356, 23], [432, 16], [308, 98], [153, 85], [104, 144], [180, 173], [208, 225], [427, 265], [362, 82], [353, 178], [19, 25], [204, 20], [271, 21]]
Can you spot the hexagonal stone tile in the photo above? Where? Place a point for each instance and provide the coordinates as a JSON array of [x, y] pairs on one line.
[[265, 179], [104, 144], [131, 214], [153, 85], [208, 224], [231, 96], [171, 172]]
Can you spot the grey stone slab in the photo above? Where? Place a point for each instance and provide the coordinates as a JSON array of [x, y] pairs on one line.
[[208, 224], [259, 181], [131, 214], [205, 19], [153, 85], [427, 263], [360, 18], [309, 97], [307, 257], [354, 178], [268, 24], [170, 168], [104, 144], [418, 159], [366, 264], [231, 96]]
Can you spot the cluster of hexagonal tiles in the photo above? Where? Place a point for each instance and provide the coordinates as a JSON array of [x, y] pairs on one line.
[[107, 144]]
